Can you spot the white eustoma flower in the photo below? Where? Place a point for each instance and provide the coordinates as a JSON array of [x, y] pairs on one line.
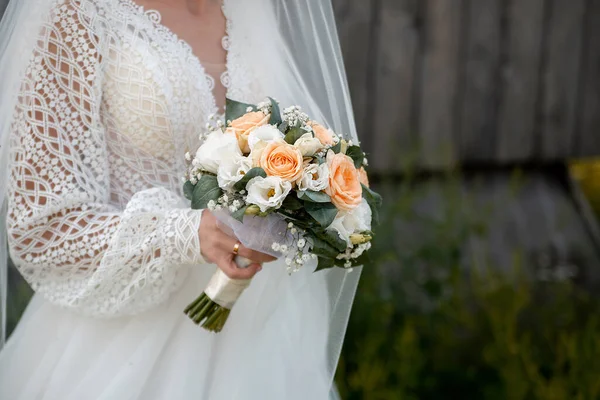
[[232, 170], [315, 177], [355, 221], [267, 192], [265, 133], [308, 145], [217, 148]]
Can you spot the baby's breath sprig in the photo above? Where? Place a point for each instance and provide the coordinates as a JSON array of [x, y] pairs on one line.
[[295, 254], [353, 253], [213, 124], [294, 116], [265, 107], [232, 201]]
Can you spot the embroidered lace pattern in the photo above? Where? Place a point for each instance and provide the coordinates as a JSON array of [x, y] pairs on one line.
[[109, 104]]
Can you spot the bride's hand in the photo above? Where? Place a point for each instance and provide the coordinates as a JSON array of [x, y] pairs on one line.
[[217, 247]]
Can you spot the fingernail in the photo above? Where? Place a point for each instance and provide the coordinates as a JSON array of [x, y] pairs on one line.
[[260, 268]]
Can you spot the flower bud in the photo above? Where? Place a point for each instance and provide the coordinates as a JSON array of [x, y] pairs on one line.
[[360, 238], [252, 210], [344, 147]]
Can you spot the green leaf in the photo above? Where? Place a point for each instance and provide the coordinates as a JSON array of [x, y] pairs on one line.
[[314, 197], [374, 200], [325, 263], [334, 239], [356, 154], [235, 109], [371, 196], [291, 202], [253, 173], [337, 148], [323, 249], [323, 213], [206, 189], [275, 113], [294, 134], [188, 190], [239, 214], [283, 127]]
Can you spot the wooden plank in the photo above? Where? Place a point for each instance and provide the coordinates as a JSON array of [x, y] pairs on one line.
[[440, 83], [354, 25], [478, 111], [561, 78], [590, 116], [394, 134], [520, 81]]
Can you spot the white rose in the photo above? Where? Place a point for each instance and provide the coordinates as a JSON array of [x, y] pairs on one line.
[[217, 149], [355, 221], [267, 192], [265, 133], [308, 145], [232, 170], [315, 177]]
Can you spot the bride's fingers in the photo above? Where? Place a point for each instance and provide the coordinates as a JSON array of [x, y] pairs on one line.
[[228, 244], [229, 267]]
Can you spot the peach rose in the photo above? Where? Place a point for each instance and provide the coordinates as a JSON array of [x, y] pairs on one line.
[[244, 125], [363, 177], [321, 133], [281, 159], [344, 182]]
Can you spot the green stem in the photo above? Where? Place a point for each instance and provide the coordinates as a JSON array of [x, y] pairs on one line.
[[193, 304], [214, 317], [204, 313], [205, 300], [217, 322], [223, 320], [204, 309]]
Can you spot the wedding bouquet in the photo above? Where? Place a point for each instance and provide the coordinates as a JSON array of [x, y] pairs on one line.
[[283, 185]]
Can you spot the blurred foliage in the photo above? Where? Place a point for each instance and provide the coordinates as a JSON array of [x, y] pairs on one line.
[[587, 174], [471, 333]]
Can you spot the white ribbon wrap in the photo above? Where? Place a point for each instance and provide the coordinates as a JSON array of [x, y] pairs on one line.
[[225, 291]]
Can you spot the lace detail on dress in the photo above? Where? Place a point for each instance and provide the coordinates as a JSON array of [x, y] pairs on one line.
[[155, 17], [237, 78], [108, 105]]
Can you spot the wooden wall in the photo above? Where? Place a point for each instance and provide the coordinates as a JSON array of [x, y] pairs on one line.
[[473, 81]]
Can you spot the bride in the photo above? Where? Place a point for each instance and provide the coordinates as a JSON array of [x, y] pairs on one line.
[[99, 101]]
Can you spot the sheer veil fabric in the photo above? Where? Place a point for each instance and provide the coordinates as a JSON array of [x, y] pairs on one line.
[[292, 49]]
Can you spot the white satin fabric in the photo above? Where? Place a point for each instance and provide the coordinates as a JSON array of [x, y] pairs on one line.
[[225, 291]]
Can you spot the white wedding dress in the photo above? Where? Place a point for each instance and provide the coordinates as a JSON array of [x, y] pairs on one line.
[[98, 227]]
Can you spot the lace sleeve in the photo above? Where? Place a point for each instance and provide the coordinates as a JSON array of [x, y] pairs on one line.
[[70, 244]]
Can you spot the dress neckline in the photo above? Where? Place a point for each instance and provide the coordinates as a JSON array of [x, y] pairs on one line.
[[155, 18]]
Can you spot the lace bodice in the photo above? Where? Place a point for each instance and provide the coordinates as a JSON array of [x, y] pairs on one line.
[[111, 101]]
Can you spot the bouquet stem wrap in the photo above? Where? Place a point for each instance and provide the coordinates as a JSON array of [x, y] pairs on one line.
[[225, 291], [213, 307]]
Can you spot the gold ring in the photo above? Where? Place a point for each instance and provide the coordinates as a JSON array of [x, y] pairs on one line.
[[236, 248]]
